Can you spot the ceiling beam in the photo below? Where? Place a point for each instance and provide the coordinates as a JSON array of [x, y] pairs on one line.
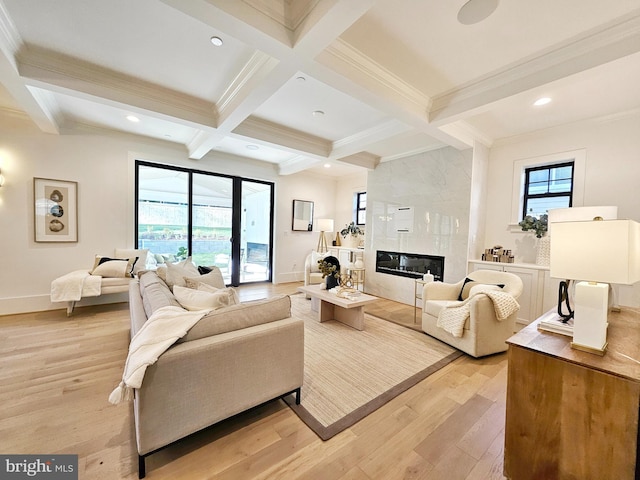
[[603, 44]]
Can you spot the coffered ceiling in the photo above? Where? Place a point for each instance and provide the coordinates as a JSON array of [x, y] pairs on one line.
[[303, 83]]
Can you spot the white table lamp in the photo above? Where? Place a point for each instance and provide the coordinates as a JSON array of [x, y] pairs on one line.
[[324, 225], [598, 252]]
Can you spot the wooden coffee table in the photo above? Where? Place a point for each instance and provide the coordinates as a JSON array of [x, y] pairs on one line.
[[344, 310]]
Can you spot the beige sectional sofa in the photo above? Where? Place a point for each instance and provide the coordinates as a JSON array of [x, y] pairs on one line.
[[233, 359]]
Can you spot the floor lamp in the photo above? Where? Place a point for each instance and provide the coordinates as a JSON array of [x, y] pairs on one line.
[[324, 225], [598, 252]]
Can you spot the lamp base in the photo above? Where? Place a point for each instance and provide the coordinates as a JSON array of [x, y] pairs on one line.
[[588, 349]]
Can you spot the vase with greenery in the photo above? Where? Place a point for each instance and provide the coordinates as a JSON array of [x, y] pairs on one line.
[[330, 268], [351, 234], [538, 225]]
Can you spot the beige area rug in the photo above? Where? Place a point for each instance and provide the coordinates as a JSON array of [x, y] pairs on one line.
[[350, 373]]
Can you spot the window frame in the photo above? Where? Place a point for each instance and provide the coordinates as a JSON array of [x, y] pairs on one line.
[[527, 183], [519, 166], [359, 209]]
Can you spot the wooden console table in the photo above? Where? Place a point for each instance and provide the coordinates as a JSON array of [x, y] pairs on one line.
[[571, 414]]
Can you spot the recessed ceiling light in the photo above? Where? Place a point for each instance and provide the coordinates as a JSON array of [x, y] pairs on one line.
[[542, 101], [217, 41], [252, 147], [327, 165], [317, 113], [474, 11], [133, 118]]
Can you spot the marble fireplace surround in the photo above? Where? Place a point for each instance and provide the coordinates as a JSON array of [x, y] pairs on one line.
[[419, 204]]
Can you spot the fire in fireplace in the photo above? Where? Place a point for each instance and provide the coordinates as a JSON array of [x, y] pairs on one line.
[[413, 265]]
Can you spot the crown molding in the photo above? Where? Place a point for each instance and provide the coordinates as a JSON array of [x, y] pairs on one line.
[[411, 153], [72, 75], [603, 44], [10, 40], [275, 134], [296, 164], [378, 74]]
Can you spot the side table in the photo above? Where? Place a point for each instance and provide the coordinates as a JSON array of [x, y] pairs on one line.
[[357, 277], [417, 295]]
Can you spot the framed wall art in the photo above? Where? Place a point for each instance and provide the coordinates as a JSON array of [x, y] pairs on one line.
[[55, 210]]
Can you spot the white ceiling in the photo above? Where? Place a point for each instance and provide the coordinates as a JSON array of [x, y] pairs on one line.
[[393, 77]]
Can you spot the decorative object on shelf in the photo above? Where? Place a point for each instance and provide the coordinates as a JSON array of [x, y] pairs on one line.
[[336, 242], [351, 235], [324, 225], [428, 277], [330, 268], [498, 254], [600, 252], [359, 263], [538, 225], [543, 255]]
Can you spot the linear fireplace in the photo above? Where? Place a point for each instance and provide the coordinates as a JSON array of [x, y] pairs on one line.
[[413, 265]]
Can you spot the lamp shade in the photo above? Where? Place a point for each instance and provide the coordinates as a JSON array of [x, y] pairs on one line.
[[598, 251], [325, 224]]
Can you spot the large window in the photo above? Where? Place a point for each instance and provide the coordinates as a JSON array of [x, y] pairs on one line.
[[217, 220], [547, 187]]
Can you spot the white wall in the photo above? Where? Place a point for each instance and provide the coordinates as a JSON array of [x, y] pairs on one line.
[[612, 177], [103, 165]]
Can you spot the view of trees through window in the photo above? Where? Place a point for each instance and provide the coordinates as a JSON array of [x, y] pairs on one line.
[[183, 213]]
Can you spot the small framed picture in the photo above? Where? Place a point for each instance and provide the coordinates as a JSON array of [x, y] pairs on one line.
[[55, 210]]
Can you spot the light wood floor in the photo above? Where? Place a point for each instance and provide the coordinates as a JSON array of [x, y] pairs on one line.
[[57, 372]]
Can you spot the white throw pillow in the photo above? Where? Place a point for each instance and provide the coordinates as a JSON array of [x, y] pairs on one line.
[[234, 299], [113, 267], [200, 300], [177, 271], [213, 278], [132, 253]]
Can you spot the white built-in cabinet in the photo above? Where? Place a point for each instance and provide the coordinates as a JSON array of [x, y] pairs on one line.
[[343, 254], [539, 293]]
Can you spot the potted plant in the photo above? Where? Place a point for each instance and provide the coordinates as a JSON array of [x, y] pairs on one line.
[[540, 227], [351, 234]]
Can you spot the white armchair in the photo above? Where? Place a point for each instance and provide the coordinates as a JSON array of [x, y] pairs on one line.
[[312, 274], [483, 333]]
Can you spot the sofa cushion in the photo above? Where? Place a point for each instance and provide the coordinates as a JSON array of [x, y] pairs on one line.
[[240, 316], [176, 272], [213, 278], [433, 307], [193, 299], [156, 295]]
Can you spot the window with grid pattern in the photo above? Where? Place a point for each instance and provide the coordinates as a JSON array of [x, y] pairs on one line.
[[547, 187]]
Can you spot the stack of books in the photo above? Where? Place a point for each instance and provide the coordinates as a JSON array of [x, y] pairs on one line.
[[551, 322]]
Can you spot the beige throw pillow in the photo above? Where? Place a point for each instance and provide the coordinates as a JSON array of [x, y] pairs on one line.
[[201, 300], [177, 271]]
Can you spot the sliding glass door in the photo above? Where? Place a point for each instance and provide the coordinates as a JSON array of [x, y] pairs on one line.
[[217, 220]]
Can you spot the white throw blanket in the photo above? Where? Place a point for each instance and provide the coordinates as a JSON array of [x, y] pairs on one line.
[[452, 319], [161, 330], [75, 285]]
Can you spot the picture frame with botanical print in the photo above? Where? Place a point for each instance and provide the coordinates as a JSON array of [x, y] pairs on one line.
[[55, 210]]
